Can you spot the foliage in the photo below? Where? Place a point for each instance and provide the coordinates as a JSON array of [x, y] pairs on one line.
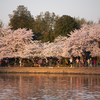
[[64, 25], [44, 26], [83, 21], [21, 18]]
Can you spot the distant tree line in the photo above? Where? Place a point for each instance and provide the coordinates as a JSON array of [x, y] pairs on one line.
[[1, 23], [46, 26]]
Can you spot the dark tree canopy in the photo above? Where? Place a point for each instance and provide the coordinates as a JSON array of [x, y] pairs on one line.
[[44, 26], [64, 25], [21, 18]]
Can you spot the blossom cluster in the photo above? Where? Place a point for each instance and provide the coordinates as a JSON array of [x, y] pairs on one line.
[[19, 43], [87, 39], [12, 41]]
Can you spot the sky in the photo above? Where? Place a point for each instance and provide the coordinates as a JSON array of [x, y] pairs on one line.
[[88, 9]]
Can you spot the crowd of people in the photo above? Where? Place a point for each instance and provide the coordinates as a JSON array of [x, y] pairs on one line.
[[52, 62], [85, 62], [65, 62], [4, 63]]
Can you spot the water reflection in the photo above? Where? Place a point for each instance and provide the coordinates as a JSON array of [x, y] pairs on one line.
[[49, 87]]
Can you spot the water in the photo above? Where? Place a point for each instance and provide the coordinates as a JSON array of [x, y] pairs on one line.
[[49, 87]]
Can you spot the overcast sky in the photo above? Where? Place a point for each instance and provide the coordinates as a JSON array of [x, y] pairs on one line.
[[88, 9]]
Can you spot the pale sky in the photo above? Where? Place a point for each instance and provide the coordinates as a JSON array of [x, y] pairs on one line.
[[88, 9]]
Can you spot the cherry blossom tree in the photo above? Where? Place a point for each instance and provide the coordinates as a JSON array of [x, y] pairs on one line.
[[19, 43], [42, 50], [12, 42], [83, 40]]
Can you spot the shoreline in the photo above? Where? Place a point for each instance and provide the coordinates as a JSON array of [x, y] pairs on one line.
[[52, 70]]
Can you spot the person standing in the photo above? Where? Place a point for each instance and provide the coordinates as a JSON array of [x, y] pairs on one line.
[[46, 62], [58, 63], [77, 62], [20, 62], [94, 63], [50, 62], [32, 62], [90, 62], [71, 62], [6, 63], [40, 62]]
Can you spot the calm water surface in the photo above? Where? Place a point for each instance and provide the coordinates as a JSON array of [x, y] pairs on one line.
[[49, 87]]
